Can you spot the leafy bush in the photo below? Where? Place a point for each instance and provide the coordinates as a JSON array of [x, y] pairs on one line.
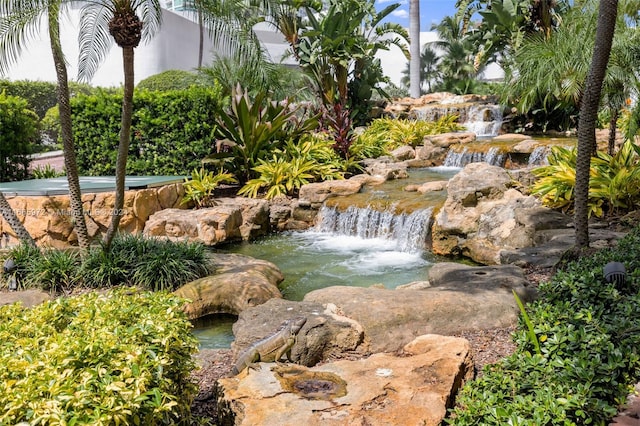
[[150, 263], [587, 330], [45, 172], [614, 183], [120, 357], [172, 80], [19, 132], [252, 129], [200, 188], [171, 131]]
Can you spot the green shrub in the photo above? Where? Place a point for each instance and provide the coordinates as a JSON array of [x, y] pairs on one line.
[[45, 172], [171, 131], [149, 263], [18, 134], [614, 183], [120, 357], [172, 80], [587, 330], [200, 188]]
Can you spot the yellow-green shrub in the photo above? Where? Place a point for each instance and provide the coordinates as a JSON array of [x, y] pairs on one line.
[[121, 357]]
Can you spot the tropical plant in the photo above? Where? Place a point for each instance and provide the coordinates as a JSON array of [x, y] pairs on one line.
[[45, 172], [19, 21], [171, 80], [200, 188], [118, 357], [251, 130], [101, 23], [279, 176], [54, 271], [429, 73]]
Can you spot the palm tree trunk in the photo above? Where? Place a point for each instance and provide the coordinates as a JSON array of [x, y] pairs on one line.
[[10, 217], [75, 195], [414, 36], [123, 145], [588, 116], [201, 38]]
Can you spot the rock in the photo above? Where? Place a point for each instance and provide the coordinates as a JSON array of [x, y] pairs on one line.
[[326, 335], [526, 146], [403, 153], [416, 387], [515, 137], [239, 282], [392, 318], [28, 298], [314, 194], [255, 215], [439, 185], [444, 140], [483, 215], [386, 168], [429, 151]]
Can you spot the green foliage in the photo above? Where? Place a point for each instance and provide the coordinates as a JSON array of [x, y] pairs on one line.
[[613, 185], [312, 158], [18, 133], [253, 129], [200, 188], [386, 134], [588, 335], [120, 357], [50, 125], [132, 260], [171, 131], [45, 172], [171, 80]]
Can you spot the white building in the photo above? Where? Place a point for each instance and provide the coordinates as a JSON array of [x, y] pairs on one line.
[[175, 46]]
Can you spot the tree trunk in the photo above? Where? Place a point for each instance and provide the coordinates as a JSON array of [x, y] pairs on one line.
[[75, 195], [588, 116], [414, 36], [200, 38], [123, 145], [613, 124], [10, 217]]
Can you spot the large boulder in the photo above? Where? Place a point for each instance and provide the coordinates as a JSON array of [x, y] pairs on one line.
[[386, 167], [326, 334], [414, 387], [484, 215], [230, 219], [315, 194], [239, 282]]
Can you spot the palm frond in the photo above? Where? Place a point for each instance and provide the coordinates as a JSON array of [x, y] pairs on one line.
[[94, 39]]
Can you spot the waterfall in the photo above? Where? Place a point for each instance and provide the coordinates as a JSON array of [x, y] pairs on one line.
[[460, 159], [539, 156], [483, 120], [408, 230]]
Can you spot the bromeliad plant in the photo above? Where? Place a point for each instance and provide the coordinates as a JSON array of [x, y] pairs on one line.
[[200, 188], [251, 130], [614, 183]]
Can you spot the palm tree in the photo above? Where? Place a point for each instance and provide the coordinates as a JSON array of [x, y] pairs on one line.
[[10, 217], [607, 16], [429, 72], [102, 20], [414, 35], [21, 20]]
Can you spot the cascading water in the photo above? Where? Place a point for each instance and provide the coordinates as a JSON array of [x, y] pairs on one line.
[[483, 120], [538, 156], [493, 156]]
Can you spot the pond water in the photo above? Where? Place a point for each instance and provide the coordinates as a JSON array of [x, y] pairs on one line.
[[373, 237]]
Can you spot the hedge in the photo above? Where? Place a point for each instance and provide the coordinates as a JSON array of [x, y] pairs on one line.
[[172, 131], [120, 357]]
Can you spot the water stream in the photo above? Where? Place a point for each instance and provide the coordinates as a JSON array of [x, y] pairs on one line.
[[378, 237]]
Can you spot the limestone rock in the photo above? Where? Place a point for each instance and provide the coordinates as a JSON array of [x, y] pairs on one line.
[[444, 140], [392, 318], [239, 283], [326, 335], [403, 153], [385, 389], [386, 167], [514, 137], [314, 194], [255, 215], [28, 298]]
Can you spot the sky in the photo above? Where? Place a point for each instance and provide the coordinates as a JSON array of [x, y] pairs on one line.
[[431, 11]]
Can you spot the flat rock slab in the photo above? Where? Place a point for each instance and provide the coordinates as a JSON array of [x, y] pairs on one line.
[[28, 298], [414, 388]]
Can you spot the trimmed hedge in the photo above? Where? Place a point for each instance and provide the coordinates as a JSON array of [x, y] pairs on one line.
[[18, 134], [588, 332], [172, 131], [120, 357]]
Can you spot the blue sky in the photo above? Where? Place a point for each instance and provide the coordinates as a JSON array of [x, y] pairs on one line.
[[431, 11]]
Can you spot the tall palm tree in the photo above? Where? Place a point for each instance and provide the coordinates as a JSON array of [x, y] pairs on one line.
[[607, 15], [19, 21], [102, 20], [10, 217], [414, 35], [429, 73]]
